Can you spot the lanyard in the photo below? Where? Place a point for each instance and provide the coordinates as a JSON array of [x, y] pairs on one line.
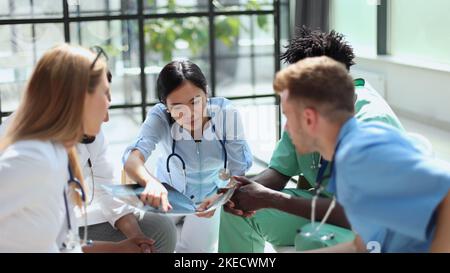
[[318, 189], [321, 174]]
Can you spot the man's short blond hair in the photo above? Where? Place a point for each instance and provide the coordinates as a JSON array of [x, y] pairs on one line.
[[319, 82]]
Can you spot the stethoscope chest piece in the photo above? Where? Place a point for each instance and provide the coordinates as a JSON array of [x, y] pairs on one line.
[[72, 240], [224, 174]]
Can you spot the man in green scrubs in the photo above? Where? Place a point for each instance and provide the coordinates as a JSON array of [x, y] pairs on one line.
[[264, 210]]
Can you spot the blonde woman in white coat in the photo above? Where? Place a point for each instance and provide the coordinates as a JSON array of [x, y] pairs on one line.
[[66, 97]]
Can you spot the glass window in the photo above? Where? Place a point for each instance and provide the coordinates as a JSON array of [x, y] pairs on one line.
[[357, 20], [244, 43], [244, 55], [285, 21], [120, 40], [103, 7], [419, 29], [235, 5], [169, 39], [20, 9], [260, 120], [21, 46], [174, 6], [120, 121]]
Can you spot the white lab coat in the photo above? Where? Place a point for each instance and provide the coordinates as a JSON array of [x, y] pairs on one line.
[[104, 208], [33, 177]]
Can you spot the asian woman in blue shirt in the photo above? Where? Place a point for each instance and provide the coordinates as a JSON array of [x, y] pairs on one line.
[[202, 144]]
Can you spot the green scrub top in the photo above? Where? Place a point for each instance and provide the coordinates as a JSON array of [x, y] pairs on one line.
[[369, 106]]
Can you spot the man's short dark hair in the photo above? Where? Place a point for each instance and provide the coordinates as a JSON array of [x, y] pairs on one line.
[[314, 43]]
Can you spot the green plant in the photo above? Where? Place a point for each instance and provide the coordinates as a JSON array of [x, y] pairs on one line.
[[164, 34]]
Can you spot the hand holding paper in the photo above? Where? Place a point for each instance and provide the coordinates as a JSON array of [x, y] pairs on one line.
[[156, 195], [179, 203], [206, 205]]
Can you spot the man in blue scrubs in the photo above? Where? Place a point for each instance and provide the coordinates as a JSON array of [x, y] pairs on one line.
[[390, 190]]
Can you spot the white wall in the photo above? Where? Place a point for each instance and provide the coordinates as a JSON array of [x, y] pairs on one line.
[[415, 92]]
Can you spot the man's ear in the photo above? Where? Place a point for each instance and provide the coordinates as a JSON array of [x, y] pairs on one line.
[[310, 117], [106, 119]]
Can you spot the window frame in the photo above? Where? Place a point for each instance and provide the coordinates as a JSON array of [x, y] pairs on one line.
[[68, 18]]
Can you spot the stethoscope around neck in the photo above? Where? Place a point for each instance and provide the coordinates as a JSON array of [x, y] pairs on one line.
[[224, 173], [323, 164], [72, 239], [318, 190]]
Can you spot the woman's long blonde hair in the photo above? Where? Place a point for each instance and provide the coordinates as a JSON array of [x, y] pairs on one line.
[[52, 106]]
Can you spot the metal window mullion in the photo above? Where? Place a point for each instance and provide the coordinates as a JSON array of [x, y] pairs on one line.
[[212, 48], [382, 15], [66, 21], [252, 53], [108, 23], [277, 36], [142, 58], [33, 34], [79, 34]]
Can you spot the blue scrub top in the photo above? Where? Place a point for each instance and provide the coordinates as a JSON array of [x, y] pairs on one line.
[[389, 189], [203, 159]]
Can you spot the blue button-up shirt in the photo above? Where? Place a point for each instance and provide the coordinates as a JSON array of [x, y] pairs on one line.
[[389, 189], [203, 159]]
